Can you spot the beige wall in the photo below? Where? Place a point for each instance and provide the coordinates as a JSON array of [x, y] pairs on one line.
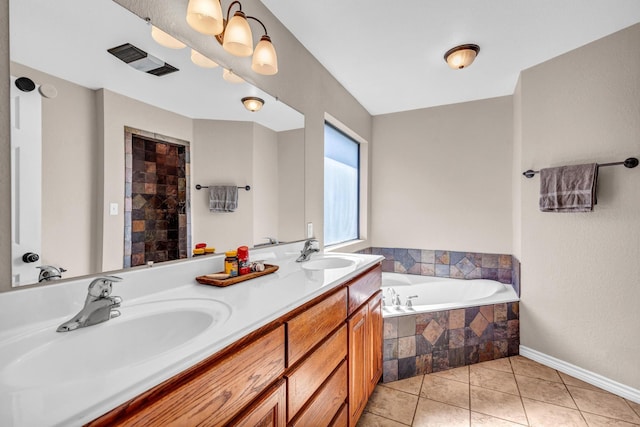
[[264, 185], [5, 151], [442, 177], [291, 184], [580, 286]]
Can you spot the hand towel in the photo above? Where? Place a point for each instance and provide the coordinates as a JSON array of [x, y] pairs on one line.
[[223, 198], [568, 188]]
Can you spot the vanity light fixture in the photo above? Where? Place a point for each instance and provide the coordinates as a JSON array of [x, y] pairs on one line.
[[252, 103], [461, 56], [202, 61], [231, 77], [164, 39], [234, 34]]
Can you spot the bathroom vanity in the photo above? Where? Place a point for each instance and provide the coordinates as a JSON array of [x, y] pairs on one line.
[[302, 346]]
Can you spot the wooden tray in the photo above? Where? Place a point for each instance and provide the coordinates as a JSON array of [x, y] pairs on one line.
[[268, 269]]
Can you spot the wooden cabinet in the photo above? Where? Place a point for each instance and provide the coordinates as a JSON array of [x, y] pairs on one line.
[[358, 373], [375, 326], [268, 411]]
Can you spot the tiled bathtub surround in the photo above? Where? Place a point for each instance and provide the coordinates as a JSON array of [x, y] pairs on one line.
[[431, 342]]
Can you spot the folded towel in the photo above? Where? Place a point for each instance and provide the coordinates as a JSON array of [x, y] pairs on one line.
[[223, 198], [568, 188]]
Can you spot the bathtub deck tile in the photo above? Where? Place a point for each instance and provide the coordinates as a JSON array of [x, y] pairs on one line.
[[499, 312], [407, 368], [500, 348], [456, 338], [390, 370], [456, 357], [407, 347], [440, 360], [390, 349], [423, 346], [406, 326], [424, 364], [500, 330], [456, 318]]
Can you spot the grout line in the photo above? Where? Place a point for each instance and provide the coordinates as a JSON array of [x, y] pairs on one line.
[[629, 404], [415, 410], [386, 418], [524, 408]]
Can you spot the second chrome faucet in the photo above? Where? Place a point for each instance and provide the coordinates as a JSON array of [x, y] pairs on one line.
[[98, 307]]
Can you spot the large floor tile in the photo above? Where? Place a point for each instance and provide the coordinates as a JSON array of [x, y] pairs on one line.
[[372, 420], [543, 414], [546, 391], [497, 404], [410, 385], [393, 404], [605, 404], [490, 378], [594, 420], [446, 391], [480, 420], [569, 380], [635, 406], [529, 368], [457, 374], [431, 414], [498, 364]]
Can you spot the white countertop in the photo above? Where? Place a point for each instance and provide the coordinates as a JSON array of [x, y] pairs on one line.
[[31, 316]]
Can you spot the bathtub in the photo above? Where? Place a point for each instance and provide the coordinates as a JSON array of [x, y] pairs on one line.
[[441, 293]]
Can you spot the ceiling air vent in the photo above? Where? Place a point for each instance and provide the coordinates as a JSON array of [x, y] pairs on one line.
[[141, 60]]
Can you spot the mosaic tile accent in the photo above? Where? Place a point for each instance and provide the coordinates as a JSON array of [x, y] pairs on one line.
[[449, 339]]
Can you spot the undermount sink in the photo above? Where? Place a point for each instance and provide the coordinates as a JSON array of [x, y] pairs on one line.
[[328, 263], [143, 332]]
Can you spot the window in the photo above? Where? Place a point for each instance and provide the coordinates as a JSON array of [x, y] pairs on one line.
[[341, 186]]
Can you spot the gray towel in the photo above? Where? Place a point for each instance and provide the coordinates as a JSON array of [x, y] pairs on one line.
[[223, 198], [568, 188]]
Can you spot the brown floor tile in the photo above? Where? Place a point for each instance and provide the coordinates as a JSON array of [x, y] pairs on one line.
[[492, 379], [569, 380], [605, 404], [600, 421], [635, 406], [457, 374], [542, 414], [410, 385], [478, 420], [446, 391], [524, 366], [546, 391], [496, 404], [372, 420], [498, 364], [393, 404], [431, 413]]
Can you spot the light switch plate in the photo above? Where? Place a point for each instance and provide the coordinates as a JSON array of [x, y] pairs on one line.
[[113, 209], [309, 230]]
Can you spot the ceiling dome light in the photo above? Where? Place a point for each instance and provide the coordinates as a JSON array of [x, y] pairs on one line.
[[461, 56], [252, 103], [265, 60], [202, 61], [164, 39], [205, 16], [231, 77], [238, 39]]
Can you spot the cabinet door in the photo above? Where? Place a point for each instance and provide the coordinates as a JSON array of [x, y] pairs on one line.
[[375, 325], [358, 372], [268, 411]]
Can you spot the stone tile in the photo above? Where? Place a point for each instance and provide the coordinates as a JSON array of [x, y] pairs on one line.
[[406, 326], [433, 331], [569, 380], [440, 360], [465, 266], [415, 254], [456, 319], [485, 350], [390, 349], [489, 273], [479, 324], [487, 312], [442, 270], [423, 346], [513, 310], [504, 276], [548, 415], [479, 420], [501, 329], [476, 273], [455, 272], [457, 357], [635, 406], [499, 365], [399, 267], [409, 385], [456, 257], [394, 404], [505, 261], [499, 312], [390, 328], [605, 404], [427, 269], [460, 374], [428, 256], [406, 367], [492, 379], [390, 370], [497, 404], [545, 391], [431, 413], [529, 368], [372, 420], [442, 257], [387, 253], [415, 269], [456, 338], [406, 347], [500, 349], [490, 260], [388, 266], [424, 364], [600, 421], [446, 391]]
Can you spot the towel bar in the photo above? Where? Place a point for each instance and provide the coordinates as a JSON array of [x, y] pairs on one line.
[[200, 187], [630, 163]]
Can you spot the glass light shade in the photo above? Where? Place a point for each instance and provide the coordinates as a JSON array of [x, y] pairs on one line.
[[202, 61], [238, 39], [461, 56], [231, 77], [164, 39], [252, 103], [265, 60], [205, 16]]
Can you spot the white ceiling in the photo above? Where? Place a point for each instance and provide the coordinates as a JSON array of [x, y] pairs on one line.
[[389, 55], [69, 39]]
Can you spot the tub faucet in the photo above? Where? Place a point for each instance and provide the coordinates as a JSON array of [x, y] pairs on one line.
[[310, 246], [409, 298], [395, 297], [98, 307], [49, 272]]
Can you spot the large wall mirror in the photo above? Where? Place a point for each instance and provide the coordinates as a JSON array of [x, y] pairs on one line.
[[106, 157]]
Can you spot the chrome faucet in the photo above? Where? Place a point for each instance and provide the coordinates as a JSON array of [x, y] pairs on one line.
[[310, 246], [98, 307], [49, 272]]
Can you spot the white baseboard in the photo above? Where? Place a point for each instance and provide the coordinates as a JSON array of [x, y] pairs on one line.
[[582, 374]]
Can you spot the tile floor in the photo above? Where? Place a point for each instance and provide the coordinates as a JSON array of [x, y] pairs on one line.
[[512, 391]]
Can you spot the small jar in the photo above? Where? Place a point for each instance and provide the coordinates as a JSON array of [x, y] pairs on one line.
[[231, 263], [243, 261]]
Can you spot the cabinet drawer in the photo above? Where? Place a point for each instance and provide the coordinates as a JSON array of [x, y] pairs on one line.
[[327, 402], [314, 370], [216, 395], [311, 326], [342, 419], [268, 411], [363, 287]]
